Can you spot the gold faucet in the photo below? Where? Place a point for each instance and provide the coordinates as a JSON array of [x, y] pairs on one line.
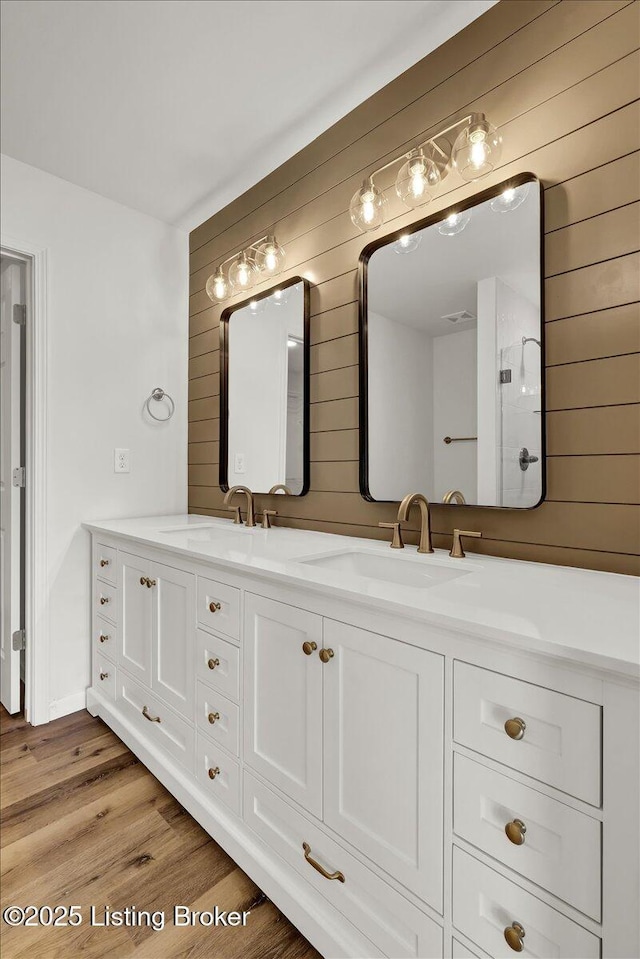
[[454, 496], [251, 516], [456, 549], [425, 525]]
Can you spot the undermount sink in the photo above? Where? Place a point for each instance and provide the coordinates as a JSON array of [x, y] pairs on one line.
[[422, 572]]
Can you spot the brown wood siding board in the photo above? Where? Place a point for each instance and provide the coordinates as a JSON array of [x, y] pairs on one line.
[[551, 37], [563, 89]]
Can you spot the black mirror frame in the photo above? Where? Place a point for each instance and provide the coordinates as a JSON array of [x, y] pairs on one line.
[[224, 380], [363, 369]]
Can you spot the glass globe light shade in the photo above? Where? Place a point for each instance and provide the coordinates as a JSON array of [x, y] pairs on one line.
[[217, 286], [510, 199], [367, 207], [416, 179], [477, 150], [270, 257], [241, 274], [257, 306], [454, 223], [280, 297], [407, 243]]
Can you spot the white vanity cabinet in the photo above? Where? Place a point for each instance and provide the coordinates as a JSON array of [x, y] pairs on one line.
[[398, 788]]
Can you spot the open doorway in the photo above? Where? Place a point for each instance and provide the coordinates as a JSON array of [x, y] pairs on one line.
[[14, 295]]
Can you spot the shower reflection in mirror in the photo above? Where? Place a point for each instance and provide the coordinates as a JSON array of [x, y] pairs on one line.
[[451, 387]]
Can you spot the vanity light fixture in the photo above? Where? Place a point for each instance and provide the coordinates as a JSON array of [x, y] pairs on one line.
[[454, 223], [264, 258], [475, 153]]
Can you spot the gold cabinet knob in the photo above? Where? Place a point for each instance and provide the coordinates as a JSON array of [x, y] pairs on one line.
[[104, 675], [214, 607], [143, 580], [214, 772], [103, 638], [308, 648], [104, 562], [212, 663], [150, 583], [515, 831], [514, 728], [326, 654], [104, 600], [514, 934], [213, 717]]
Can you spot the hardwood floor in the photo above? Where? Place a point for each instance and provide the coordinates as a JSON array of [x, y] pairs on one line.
[[84, 823]]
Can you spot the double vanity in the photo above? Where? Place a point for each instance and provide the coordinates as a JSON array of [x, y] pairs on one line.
[[412, 755]]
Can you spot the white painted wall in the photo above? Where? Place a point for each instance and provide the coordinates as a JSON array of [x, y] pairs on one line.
[[454, 414], [400, 409], [116, 327]]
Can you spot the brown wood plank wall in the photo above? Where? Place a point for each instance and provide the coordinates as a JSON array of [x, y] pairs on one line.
[[561, 78]]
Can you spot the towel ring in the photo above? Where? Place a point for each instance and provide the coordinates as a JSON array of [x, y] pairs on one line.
[[159, 394]]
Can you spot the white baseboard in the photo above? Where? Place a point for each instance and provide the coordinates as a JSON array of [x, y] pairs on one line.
[[70, 704]]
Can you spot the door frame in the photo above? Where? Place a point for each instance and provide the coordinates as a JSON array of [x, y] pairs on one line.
[[37, 651]]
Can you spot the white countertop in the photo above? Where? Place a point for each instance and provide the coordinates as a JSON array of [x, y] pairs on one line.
[[583, 616]]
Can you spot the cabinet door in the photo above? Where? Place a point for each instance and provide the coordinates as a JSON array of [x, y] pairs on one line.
[[134, 642], [174, 625], [383, 754], [283, 699]]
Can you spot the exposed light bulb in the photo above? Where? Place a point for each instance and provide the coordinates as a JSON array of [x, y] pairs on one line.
[[367, 207], [478, 152], [270, 257], [477, 149], [415, 177], [270, 260], [217, 286], [242, 273]]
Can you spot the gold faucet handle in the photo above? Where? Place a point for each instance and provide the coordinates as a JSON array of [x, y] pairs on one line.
[[396, 542], [266, 517], [237, 519], [456, 550]]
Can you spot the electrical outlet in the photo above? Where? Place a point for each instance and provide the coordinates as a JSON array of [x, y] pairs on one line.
[[121, 462], [239, 466]]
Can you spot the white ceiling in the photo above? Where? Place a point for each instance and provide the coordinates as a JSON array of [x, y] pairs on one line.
[[175, 107], [440, 277]]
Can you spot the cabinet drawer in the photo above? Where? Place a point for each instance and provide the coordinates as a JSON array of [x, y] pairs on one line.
[[218, 664], [558, 736], [104, 562], [394, 925], [561, 846], [219, 775], [458, 951], [104, 675], [163, 728], [218, 717], [106, 601], [105, 639], [219, 607], [486, 904]]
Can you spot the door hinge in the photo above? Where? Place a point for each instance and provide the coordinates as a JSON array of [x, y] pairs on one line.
[[505, 376], [18, 640], [19, 477], [19, 314]]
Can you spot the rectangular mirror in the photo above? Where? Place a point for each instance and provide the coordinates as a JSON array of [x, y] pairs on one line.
[[264, 386], [451, 347]]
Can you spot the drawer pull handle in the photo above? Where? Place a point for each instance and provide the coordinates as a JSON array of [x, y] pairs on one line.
[[104, 600], [104, 675], [214, 607], [514, 934], [308, 648], [514, 728], [212, 663], [213, 717], [150, 583], [104, 562], [515, 831], [103, 638], [214, 772], [147, 715], [326, 654], [323, 872]]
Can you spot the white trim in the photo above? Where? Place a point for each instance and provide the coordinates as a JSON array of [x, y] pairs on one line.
[[37, 654], [70, 704]]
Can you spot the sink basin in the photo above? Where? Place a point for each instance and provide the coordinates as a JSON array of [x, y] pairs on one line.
[[422, 573]]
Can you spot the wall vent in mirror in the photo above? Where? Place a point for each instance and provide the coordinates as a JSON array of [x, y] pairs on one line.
[[472, 146], [451, 379], [264, 387]]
